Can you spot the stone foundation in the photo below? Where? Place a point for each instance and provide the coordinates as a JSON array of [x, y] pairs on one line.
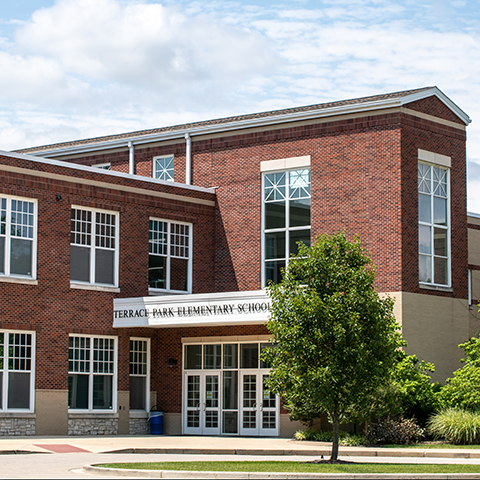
[[139, 426], [92, 426], [17, 426]]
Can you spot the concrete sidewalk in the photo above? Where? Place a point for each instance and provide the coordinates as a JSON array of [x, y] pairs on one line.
[[192, 445]]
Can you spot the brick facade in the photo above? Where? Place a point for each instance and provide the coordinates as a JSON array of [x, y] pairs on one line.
[[364, 181]]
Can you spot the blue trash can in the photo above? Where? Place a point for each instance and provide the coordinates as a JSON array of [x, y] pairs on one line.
[[156, 423]]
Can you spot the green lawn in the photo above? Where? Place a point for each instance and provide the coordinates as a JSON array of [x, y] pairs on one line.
[[301, 467]]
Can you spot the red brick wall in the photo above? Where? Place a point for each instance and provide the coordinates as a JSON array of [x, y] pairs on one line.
[[54, 309], [418, 133], [435, 107]]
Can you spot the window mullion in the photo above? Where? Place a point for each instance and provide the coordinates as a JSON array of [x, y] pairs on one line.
[[287, 218], [169, 254], [432, 226], [90, 377]]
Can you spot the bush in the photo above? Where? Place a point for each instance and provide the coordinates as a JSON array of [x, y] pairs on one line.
[[346, 439], [399, 431], [456, 425], [463, 390]]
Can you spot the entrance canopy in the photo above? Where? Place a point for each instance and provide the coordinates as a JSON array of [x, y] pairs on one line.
[[226, 308]]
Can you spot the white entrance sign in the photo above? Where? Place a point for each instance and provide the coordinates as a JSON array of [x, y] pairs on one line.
[[226, 308]]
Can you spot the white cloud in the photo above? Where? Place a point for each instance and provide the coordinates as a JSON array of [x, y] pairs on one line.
[[143, 45]]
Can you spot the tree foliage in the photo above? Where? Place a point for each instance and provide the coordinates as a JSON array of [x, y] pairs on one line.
[[463, 390], [336, 339]]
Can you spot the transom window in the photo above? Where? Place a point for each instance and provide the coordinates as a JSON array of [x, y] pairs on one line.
[[16, 370], [169, 256], [94, 247], [139, 373], [92, 373], [163, 168], [18, 237], [286, 218], [433, 228]]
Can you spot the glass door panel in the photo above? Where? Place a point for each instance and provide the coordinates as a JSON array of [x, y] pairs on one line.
[[249, 407], [269, 410], [211, 408], [193, 410]]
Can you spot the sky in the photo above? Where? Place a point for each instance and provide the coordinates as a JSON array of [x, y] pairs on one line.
[[72, 69]]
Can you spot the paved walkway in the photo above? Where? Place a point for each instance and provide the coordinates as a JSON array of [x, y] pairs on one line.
[[163, 444]]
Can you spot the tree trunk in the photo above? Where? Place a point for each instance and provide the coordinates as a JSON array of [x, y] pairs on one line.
[[336, 431]]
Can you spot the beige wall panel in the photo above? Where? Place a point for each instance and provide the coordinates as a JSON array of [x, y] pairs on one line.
[[172, 423], [473, 246], [473, 220], [434, 327], [51, 407], [123, 412], [288, 427], [476, 285], [397, 306]]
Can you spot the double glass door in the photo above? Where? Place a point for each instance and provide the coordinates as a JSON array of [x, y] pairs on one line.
[[225, 392], [202, 403]]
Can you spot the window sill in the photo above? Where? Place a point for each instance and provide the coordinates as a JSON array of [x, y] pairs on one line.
[[92, 415], [24, 281], [159, 293], [435, 288], [98, 288], [17, 414]]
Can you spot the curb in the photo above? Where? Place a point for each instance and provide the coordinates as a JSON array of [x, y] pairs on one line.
[[344, 452], [174, 474]]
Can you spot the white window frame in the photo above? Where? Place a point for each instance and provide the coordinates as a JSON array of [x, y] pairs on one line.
[[432, 226], [5, 371], [91, 374], [92, 247], [165, 174], [8, 237], [287, 229], [147, 376], [169, 256]]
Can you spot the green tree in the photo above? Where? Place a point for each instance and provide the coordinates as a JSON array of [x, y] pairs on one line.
[[336, 339], [463, 390]]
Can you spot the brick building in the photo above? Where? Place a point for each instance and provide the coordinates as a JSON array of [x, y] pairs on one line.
[[132, 266]]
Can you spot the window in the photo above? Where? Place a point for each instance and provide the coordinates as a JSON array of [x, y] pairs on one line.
[[103, 166], [169, 260], [16, 370], [18, 237], [92, 373], [433, 228], [286, 218], [139, 374], [94, 247], [163, 168]]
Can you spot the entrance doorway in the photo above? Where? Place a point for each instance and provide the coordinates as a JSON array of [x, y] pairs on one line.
[[225, 391]]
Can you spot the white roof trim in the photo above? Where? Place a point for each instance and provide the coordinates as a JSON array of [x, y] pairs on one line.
[[263, 121], [93, 169]]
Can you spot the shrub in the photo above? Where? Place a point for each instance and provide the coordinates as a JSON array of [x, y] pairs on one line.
[[456, 425], [399, 431], [346, 439], [415, 395], [463, 390]]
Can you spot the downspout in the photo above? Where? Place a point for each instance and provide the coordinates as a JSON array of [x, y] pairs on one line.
[[131, 159], [188, 159]]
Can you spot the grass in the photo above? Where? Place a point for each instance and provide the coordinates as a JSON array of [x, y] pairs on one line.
[[300, 467]]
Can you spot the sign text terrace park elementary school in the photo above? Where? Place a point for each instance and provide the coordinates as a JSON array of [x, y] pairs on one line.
[[229, 308], [189, 311]]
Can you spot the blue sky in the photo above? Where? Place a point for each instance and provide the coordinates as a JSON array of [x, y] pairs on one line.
[[80, 68]]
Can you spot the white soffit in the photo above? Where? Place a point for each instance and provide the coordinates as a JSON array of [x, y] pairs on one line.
[[206, 309]]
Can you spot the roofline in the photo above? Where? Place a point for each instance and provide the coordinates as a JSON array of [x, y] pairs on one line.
[[89, 169], [473, 215], [259, 122]]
